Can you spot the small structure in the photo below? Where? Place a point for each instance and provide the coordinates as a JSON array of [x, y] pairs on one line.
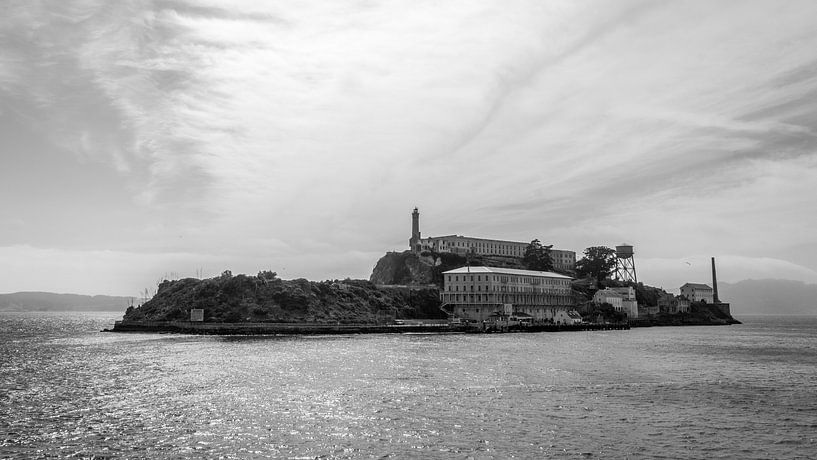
[[722, 306], [625, 263], [575, 317], [522, 319], [646, 310], [697, 292], [667, 303], [629, 304], [197, 314], [683, 304], [609, 296]]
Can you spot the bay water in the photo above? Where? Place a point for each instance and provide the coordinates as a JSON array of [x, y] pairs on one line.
[[741, 391]]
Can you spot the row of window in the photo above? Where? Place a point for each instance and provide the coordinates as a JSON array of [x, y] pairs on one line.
[[513, 298], [505, 279], [456, 288]]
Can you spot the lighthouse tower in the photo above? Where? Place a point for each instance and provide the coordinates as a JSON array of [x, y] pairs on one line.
[[414, 241]]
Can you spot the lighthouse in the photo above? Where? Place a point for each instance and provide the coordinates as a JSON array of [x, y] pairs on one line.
[[414, 241]]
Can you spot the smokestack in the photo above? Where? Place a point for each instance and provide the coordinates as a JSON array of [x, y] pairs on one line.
[[714, 284]]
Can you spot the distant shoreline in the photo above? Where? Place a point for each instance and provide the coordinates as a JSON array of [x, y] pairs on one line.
[[63, 310]]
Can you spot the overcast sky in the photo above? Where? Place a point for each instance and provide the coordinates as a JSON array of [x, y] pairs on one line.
[[155, 138]]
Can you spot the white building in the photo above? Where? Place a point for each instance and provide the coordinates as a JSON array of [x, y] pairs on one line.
[[629, 304], [477, 292], [683, 304], [697, 292], [609, 296]]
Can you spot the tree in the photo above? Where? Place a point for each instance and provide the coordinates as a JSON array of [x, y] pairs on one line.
[[267, 275], [598, 262], [537, 257]]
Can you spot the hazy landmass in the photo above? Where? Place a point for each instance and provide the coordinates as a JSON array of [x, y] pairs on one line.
[[49, 301], [772, 297]]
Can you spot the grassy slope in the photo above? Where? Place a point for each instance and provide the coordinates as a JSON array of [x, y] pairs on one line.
[[268, 299]]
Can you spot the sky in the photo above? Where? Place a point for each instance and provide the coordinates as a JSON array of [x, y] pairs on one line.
[[146, 140]]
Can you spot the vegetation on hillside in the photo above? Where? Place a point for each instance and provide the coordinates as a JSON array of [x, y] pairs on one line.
[[598, 263], [537, 257], [267, 298], [604, 313]]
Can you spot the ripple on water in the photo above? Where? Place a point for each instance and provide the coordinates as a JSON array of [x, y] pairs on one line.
[[67, 390]]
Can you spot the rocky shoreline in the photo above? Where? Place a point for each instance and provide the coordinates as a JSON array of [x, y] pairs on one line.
[[202, 328]]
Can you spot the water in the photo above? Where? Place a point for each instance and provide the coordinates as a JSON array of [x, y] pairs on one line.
[[744, 391]]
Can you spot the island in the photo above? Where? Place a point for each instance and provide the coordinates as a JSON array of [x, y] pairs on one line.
[[450, 283], [402, 295]]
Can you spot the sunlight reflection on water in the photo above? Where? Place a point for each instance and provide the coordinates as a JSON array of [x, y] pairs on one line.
[[744, 391]]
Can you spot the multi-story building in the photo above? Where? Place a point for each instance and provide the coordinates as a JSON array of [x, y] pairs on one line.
[[629, 304], [477, 292], [458, 244], [696, 292]]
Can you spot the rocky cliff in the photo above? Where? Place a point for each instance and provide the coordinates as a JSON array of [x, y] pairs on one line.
[[408, 268], [404, 268]]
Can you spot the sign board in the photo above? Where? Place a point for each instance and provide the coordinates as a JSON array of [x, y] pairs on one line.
[[197, 314], [508, 308]]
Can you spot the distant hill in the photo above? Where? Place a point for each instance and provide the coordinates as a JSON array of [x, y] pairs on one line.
[[49, 301], [767, 296]]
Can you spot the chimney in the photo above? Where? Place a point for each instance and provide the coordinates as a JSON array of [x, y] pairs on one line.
[[714, 284]]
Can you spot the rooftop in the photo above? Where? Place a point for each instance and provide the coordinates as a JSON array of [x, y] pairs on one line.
[[495, 240], [506, 271], [610, 293], [696, 286]]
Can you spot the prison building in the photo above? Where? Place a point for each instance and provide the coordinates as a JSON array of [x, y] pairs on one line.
[[458, 244], [475, 293]]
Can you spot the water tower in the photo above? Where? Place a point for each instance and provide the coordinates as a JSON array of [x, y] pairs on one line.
[[625, 263]]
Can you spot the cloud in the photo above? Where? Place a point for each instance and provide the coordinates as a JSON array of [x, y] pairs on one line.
[[313, 129], [131, 272]]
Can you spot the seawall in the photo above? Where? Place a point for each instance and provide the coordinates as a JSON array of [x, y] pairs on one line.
[[188, 327]]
